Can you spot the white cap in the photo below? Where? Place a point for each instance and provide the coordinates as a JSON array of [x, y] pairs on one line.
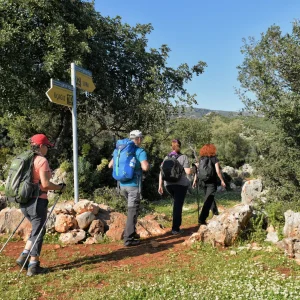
[[135, 134]]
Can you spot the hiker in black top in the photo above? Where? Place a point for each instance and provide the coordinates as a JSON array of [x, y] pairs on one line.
[[177, 189], [208, 151]]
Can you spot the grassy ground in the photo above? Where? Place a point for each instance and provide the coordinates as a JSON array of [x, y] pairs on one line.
[[173, 272]]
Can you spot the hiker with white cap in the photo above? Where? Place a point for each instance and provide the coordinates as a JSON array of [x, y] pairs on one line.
[[128, 163]]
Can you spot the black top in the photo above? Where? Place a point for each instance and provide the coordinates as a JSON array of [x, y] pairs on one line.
[[214, 160]]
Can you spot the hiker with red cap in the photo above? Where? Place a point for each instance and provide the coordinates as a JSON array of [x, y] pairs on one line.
[[35, 210]]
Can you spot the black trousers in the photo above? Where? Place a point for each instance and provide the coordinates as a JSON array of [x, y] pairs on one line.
[[209, 201], [178, 193]]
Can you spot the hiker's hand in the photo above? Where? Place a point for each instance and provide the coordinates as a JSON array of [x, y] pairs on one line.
[[63, 187], [223, 184], [160, 190]]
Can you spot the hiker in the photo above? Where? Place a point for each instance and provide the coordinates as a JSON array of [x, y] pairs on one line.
[[177, 188], [208, 152], [131, 188], [36, 209], [197, 184]]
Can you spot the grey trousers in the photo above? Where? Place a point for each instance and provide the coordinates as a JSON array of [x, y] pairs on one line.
[[132, 194], [36, 212]]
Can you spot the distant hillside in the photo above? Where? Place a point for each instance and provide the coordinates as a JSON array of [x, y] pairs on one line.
[[200, 112]]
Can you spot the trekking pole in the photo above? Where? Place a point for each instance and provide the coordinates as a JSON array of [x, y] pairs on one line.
[[28, 255], [12, 234]]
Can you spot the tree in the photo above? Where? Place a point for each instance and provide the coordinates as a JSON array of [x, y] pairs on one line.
[[270, 72]]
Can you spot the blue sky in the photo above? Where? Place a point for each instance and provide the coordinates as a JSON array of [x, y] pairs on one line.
[[211, 31]]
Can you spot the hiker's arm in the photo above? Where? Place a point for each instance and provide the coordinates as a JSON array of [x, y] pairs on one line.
[[160, 184], [145, 165], [220, 174], [111, 163], [187, 171], [47, 184], [194, 181]]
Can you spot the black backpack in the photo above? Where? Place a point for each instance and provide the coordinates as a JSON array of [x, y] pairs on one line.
[[171, 169], [206, 170]]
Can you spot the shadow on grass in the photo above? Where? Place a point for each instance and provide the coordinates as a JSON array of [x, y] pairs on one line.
[[167, 241]]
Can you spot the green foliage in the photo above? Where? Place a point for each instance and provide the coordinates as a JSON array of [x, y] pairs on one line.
[[270, 73], [232, 147], [110, 197]]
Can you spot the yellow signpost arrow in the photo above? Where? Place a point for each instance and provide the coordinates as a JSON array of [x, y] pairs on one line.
[[84, 79], [60, 93]]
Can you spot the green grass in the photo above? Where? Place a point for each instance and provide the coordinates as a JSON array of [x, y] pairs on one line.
[[197, 272]]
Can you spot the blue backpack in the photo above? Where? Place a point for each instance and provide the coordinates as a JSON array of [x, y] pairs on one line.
[[124, 160]]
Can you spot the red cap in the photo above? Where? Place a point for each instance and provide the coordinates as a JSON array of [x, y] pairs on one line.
[[40, 139]]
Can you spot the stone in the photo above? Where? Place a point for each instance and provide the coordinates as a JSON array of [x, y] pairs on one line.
[[292, 224], [225, 228], [272, 237], [116, 224], [65, 207], [72, 237], [96, 227], [86, 206], [10, 219], [251, 190], [65, 222], [85, 219]]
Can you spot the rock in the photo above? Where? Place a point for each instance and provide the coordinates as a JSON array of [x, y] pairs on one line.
[[96, 239], [272, 237], [251, 190], [116, 224], [287, 244], [72, 237], [65, 222], [96, 227], [85, 206], [10, 219], [246, 168], [65, 207], [232, 252], [150, 225], [226, 227], [85, 219], [230, 171], [292, 224], [232, 186]]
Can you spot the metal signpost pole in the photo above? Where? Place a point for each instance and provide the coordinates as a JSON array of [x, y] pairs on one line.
[[74, 125]]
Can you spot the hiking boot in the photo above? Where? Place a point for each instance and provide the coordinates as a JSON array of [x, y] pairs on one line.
[[136, 236], [35, 269], [175, 232], [21, 260], [132, 243]]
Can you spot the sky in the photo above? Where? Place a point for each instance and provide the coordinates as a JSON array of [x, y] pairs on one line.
[[210, 31]]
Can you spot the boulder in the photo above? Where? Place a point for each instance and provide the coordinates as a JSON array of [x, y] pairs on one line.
[[85, 206], [150, 225], [65, 207], [73, 237], [10, 219], [116, 225], [251, 190], [292, 224], [85, 219], [224, 228], [96, 227], [232, 172], [65, 222]]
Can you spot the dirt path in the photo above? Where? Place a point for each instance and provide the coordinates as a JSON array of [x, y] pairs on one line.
[[106, 256]]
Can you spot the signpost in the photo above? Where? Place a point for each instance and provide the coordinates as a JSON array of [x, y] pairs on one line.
[[84, 79], [60, 93], [65, 94]]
